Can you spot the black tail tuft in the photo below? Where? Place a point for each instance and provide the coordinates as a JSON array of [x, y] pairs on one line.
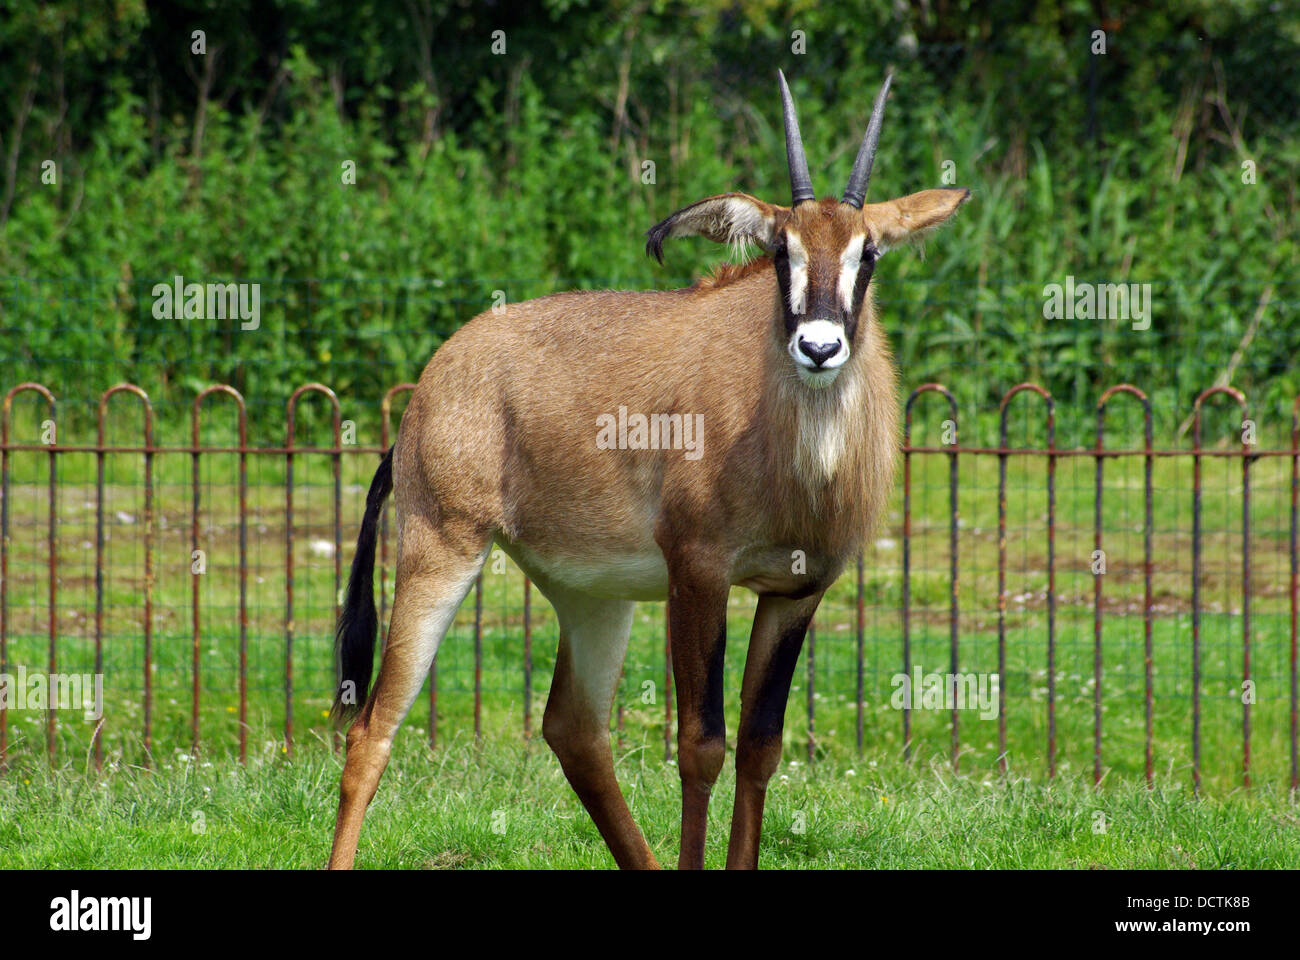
[[354, 638]]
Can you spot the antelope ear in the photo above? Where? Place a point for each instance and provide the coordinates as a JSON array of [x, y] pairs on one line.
[[732, 218], [908, 218]]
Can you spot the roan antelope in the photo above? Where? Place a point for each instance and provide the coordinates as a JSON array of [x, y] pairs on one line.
[[784, 374]]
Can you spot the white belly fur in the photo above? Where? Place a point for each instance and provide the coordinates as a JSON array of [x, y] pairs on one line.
[[625, 576]]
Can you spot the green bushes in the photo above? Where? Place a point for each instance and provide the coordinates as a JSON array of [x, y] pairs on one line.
[[526, 173]]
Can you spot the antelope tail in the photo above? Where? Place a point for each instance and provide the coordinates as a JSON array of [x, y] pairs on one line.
[[354, 637]]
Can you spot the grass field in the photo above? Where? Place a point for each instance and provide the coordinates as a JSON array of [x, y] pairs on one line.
[[437, 810], [505, 805]]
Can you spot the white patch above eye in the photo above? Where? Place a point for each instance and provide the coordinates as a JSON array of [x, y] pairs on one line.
[[798, 257], [850, 261]]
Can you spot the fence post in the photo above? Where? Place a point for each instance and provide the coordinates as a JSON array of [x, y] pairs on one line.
[[4, 559], [1240, 400], [478, 656], [195, 450], [812, 688], [1295, 589], [1003, 451], [668, 684], [528, 665], [907, 567], [1097, 578], [861, 631], [289, 625], [101, 450]]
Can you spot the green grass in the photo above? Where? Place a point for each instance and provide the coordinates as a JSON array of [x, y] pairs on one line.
[[505, 805]]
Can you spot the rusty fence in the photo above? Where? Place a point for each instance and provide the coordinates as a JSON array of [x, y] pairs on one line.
[[50, 450]]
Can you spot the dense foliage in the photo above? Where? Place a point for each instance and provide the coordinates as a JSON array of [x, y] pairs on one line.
[[524, 171]]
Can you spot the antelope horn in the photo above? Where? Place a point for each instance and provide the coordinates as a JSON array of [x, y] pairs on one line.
[[856, 192], [800, 183]]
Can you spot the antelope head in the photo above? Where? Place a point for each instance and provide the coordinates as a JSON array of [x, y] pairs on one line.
[[823, 251]]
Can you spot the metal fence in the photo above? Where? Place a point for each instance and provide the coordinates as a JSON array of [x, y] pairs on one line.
[[951, 450]]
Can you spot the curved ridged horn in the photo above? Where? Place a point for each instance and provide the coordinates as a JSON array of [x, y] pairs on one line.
[[856, 192], [800, 183]]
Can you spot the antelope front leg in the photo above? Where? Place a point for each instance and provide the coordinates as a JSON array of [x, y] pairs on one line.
[[697, 618], [779, 627]]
